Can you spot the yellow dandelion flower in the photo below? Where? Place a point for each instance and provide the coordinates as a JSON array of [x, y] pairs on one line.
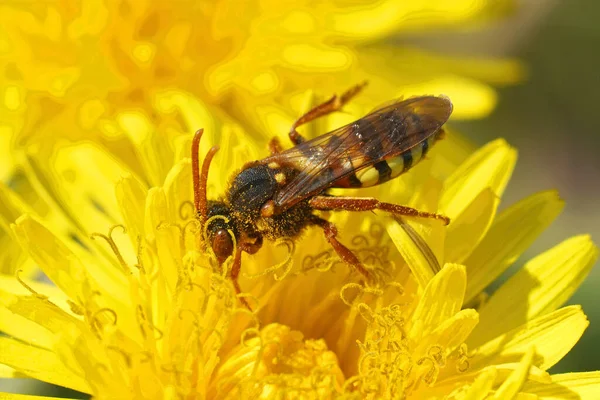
[[68, 66], [140, 311]]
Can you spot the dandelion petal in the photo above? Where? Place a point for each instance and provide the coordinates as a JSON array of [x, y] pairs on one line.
[[541, 286], [511, 386], [553, 336], [39, 364], [577, 385], [511, 234], [443, 297]]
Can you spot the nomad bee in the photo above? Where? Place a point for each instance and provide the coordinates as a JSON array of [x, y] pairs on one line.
[[276, 197]]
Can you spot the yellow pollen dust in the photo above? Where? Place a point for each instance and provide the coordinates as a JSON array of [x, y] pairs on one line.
[[273, 165], [280, 178]]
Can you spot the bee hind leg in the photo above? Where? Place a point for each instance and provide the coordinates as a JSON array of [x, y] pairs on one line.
[[335, 103], [370, 204], [342, 251]]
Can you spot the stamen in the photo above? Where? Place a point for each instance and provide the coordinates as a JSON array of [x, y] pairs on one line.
[[140, 249], [122, 353], [143, 321], [431, 376], [367, 357], [249, 331], [322, 262], [463, 359], [437, 353], [29, 288], [246, 296], [95, 320], [347, 287], [181, 230], [182, 210], [113, 245], [76, 308], [286, 264]]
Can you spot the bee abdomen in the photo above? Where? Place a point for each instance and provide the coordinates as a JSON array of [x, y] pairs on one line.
[[384, 170]]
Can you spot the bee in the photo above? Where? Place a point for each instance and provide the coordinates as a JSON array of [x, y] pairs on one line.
[[277, 197]]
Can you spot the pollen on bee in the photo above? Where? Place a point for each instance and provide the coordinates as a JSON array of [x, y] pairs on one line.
[[274, 165], [280, 178]]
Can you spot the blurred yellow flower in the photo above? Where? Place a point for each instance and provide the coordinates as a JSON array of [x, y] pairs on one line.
[[141, 313], [67, 66]]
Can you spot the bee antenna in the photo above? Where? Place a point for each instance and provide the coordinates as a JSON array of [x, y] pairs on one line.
[[200, 178]]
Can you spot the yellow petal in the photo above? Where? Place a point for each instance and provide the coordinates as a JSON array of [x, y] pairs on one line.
[[489, 167], [511, 386], [442, 298], [131, 196], [511, 234], [383, 18], [8, 372], [541, 286], [577, 385], [153, 148], [553, 335], [414, 246], [20, 328], [167, 237], [40, 364], [41, 311], [61, 265], [469, 227], [178, 188], [14, 396], [481, 386], [53, 257], [77, 179], [451, 333]]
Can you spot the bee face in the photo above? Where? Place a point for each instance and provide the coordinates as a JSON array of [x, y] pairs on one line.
[[220, 229]]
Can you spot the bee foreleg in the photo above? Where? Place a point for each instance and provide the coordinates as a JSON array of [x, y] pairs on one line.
[[369, 204], [333, 104], [342, 251], [235, 273], [249, 248]]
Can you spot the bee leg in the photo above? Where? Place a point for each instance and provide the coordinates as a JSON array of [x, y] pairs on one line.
[[342, 251], [370, 204], [235, 273], [275, 146], [333, 104], [249, 248]]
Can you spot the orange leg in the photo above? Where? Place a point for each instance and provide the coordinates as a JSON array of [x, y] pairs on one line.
[[275, 146], [249, 248], [342, 251], [331, 105], [369, 204]]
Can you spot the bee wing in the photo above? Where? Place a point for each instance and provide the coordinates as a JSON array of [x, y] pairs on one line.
[[332, 159]]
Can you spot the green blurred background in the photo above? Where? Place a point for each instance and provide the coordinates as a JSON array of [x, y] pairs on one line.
[[553, 121]]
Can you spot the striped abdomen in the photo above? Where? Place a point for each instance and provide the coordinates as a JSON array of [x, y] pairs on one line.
[[390, 168]]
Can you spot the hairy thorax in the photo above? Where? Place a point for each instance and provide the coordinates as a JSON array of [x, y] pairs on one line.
[[251, 189]]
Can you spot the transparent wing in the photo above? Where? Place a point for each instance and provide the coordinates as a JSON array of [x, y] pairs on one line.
[[328, 160]]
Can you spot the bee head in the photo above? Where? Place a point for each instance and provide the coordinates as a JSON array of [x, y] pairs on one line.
[[220, 229]]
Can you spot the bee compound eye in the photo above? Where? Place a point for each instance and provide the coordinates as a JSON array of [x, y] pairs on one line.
[[222, 244]]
